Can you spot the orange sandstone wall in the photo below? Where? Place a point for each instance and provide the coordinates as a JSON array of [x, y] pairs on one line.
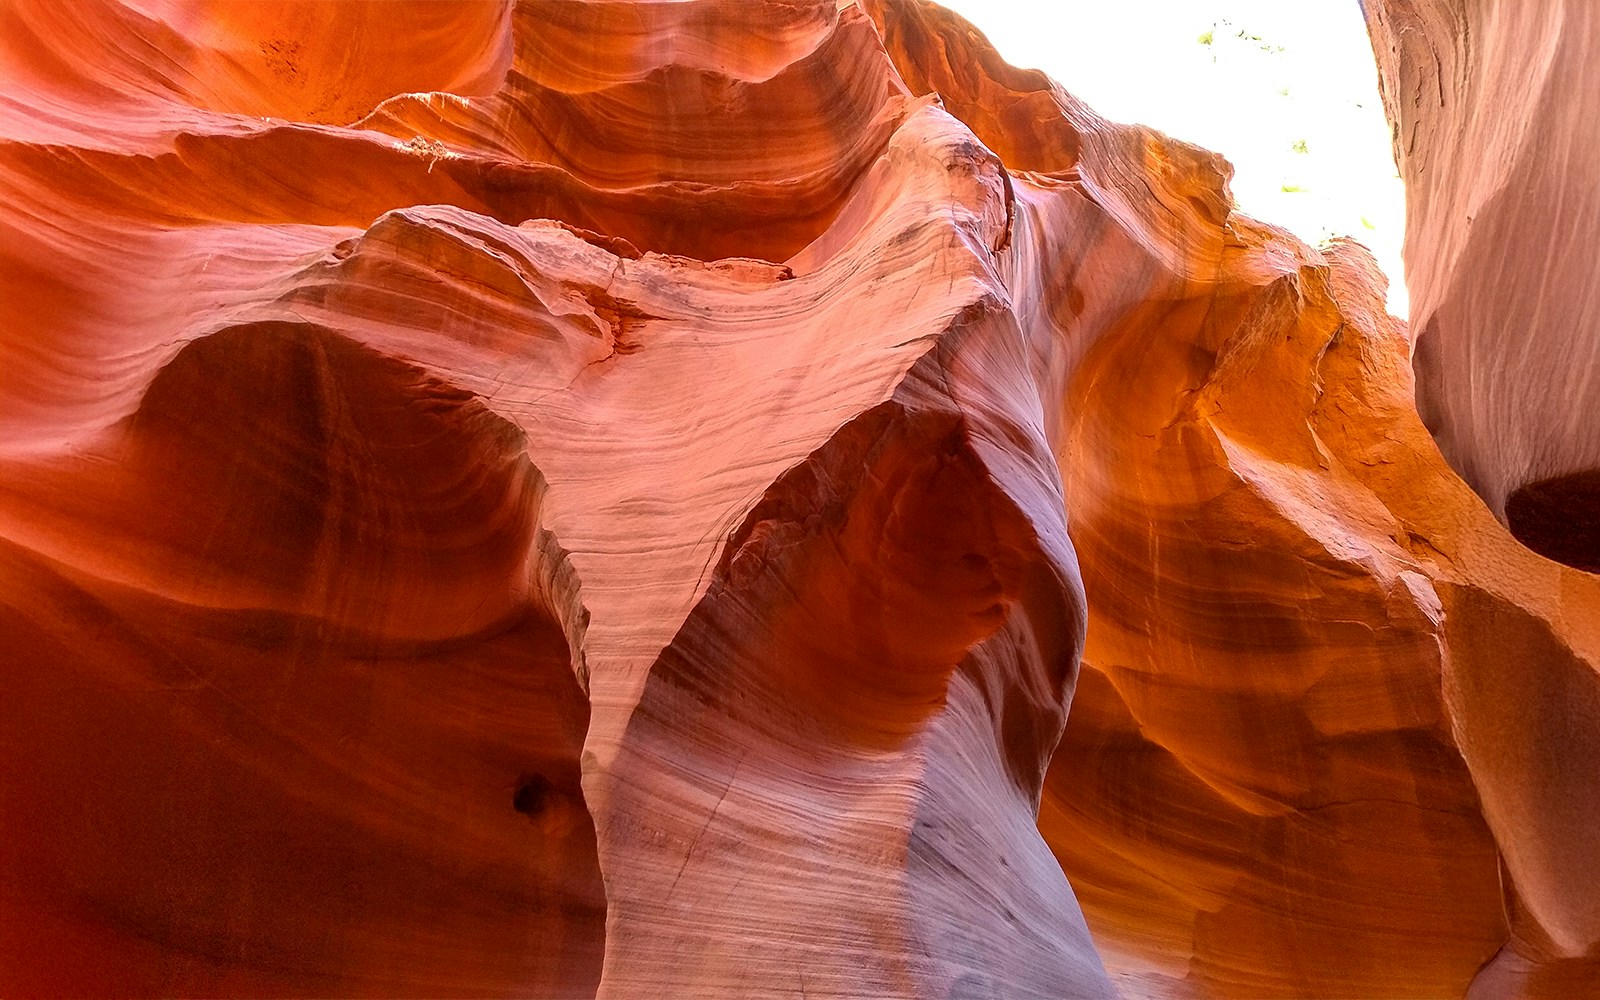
[[574, 499], [1492, 106]]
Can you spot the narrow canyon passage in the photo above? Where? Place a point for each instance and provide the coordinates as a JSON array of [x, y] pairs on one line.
[[725, 499]]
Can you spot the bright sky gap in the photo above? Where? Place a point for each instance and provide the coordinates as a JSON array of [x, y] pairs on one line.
[[1287, 91]]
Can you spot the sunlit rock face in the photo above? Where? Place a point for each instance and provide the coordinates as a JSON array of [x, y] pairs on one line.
[[1495, 132], [618, 499], [1494, 117]]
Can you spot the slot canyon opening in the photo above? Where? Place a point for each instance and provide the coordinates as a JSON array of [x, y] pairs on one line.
[[1559, 518], [1288, 93]]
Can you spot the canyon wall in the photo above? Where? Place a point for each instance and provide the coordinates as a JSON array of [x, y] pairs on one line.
[[1495, 133], [728, 499], [1494, 123]]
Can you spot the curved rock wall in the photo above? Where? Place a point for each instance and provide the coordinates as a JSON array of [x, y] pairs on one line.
[[1492, 117], [1494, 134], [582, 499]]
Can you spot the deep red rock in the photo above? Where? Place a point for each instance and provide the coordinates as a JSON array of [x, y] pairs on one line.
[[595, 498]]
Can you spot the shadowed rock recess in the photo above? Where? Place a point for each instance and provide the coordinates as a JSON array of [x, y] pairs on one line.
[[586, 499]]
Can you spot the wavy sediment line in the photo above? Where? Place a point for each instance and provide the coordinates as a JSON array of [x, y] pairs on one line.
[[614, 499]]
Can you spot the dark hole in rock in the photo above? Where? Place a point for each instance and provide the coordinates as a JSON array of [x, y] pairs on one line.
[[532, 795], [1559, 518]]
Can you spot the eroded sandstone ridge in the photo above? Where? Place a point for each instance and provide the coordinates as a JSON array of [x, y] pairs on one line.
[[607, 498]]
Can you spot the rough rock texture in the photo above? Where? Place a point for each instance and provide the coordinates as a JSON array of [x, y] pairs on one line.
[[1498, 138], [611, 498]]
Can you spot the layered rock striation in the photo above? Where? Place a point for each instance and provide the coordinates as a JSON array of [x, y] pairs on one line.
[[1494, 134], [1493, 128], [577, 499]]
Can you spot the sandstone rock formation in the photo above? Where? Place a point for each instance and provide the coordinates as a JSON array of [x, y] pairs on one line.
[[617, 499], [1494, 132], [1493, 123]]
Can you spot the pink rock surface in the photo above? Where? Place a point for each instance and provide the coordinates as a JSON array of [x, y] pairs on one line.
[[1495, 136], [612, 499]]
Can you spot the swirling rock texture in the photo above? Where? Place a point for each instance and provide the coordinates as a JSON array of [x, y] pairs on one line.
[[1495, 136], [1494, 130], [617, 499]]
